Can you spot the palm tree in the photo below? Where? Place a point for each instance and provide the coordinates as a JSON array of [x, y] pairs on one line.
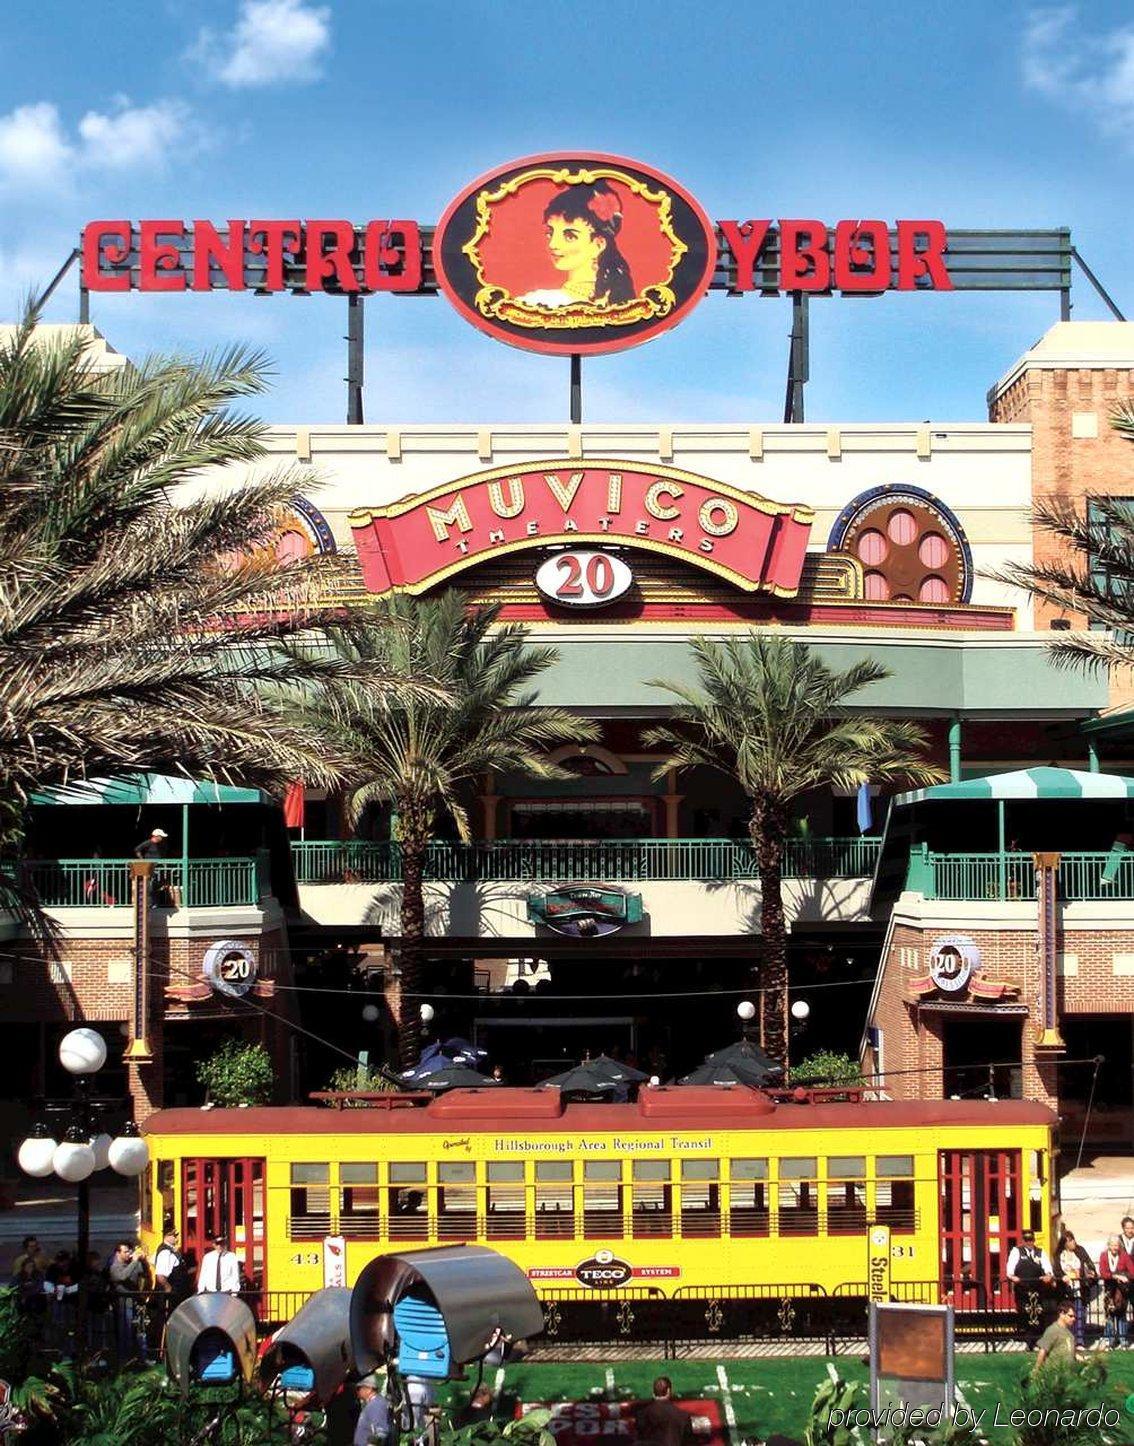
[[1092, 574], [771, 715], [421, 754], [145, 624]]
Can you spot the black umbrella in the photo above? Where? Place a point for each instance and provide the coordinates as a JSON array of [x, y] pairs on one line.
[[747, 1055], [596, 1076], [711, 1073], [451, 1077]]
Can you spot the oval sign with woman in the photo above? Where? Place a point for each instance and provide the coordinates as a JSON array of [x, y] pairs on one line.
[[574, 253]]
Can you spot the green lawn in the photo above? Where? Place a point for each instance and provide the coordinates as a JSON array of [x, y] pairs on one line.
[[775, 1393]]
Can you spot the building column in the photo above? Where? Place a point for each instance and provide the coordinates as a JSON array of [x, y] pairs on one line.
[[672, 800], [145, 1083], [489, 803], [955, 749]]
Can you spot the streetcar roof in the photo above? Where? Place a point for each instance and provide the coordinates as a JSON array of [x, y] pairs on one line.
[[502, 1111]]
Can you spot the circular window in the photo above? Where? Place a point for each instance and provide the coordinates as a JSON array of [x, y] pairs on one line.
[[909, 545], [877, 588], [933, 590], [933, 550], [872, 547]]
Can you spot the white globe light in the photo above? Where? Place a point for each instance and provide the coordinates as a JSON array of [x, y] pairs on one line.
[[427, 1014], [655, 1080], [800, 1010], [36, 1156], [129, 1155], [73, 1160], [101, 1146], [83, 1051], [746, 1009], [370, 1013]]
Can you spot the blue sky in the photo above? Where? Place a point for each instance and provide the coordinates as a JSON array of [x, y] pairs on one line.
[[983, 115]]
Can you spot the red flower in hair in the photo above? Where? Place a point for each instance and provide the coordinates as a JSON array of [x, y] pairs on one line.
[[605, 205]]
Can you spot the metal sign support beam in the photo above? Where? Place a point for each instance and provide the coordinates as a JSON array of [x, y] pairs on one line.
[[799, 358], [355, 359]]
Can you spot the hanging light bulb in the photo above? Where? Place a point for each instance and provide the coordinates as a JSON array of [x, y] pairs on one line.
[[82, 1051], [101, 1144], [129, 1154]]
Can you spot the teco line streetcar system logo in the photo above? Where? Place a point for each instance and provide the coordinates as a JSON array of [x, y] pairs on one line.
[[570, 253]]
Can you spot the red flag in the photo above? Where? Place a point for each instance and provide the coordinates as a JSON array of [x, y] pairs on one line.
[[293, 805]]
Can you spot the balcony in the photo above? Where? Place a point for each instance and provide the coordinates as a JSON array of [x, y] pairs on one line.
[[613, 860], [1083, 876], [105, 883]]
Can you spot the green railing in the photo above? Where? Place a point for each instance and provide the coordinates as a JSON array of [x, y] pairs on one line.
[[516, 860], [105, 883], [1083, 876]]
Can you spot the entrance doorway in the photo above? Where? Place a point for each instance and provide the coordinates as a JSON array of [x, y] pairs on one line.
[[1096, 1100], [226, 1197], [981, 1056]]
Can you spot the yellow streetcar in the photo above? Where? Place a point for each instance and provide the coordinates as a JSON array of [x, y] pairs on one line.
[[690, 1194]]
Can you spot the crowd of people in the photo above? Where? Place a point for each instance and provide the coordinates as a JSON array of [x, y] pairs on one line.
[[1068, 1283], [124, 1295]]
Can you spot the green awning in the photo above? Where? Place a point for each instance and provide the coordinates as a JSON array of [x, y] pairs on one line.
[[147, 788], [1026, 783]]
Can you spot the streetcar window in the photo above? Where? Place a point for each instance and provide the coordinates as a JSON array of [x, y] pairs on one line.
[[798, 1196], [748, 1198], [358, 1209], [310, 1202], [554, 1200], [602, 1200], [407, 1204], [700, 1198], [846, 1194], [505, 1219], [165, 1190], [894, 1192], [456, 1200], [651, 1199], [148, 1198]]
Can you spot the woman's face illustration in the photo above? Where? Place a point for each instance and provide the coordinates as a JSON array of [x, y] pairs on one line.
[[573, 244]]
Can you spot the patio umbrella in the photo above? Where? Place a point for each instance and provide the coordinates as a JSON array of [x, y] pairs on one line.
[[455, 1050], [450, 1076], [747, 1056], [723, 1074], [595, 1076]]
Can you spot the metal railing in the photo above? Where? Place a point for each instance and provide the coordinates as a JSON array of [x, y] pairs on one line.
[[105, 883], [521, 860], [1083, 876]]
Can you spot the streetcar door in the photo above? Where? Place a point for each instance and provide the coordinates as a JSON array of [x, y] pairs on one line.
[[980, 1215], [226, 1196]]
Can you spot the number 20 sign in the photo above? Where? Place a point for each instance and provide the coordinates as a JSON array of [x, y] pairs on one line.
[[580, 579]]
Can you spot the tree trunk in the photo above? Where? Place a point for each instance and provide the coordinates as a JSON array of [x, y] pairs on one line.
[[769, 831], [411, 952]]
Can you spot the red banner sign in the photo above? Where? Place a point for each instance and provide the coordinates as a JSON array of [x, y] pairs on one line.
[[415, 544]]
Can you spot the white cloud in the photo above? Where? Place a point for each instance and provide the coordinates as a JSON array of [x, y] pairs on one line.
[[133, 136], [38, 154], [34, 150], [272, 40], [1092, 74]]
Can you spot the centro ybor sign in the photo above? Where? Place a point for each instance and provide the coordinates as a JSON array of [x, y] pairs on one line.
[[412, 545]]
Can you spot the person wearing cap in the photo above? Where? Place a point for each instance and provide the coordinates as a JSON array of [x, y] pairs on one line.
[[220, 1269], [152, 847], [373, 1425], [1030, 1274]]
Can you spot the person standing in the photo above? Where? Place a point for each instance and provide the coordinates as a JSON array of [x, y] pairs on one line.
[[1057, 1344], [169, 1269], [1076, 1273], [220, 1269], [1127, 1236], [1030, 1273], [1115, 1270], [662, 1422], [373, 1425], [127, 1272], [152, 847]]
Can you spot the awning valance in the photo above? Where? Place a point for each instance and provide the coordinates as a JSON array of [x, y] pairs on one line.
[[1025, 783], [147, 788]]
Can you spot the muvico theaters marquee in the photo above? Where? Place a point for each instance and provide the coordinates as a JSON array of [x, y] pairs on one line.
[[618, 886]]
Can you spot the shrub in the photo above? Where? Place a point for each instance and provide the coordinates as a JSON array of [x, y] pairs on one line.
[[237, 1074], [1058, 1396], [826, 1068], [357, 1077]]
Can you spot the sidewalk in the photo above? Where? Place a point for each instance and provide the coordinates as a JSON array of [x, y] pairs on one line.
[[48, 1209], [1095, 1198]]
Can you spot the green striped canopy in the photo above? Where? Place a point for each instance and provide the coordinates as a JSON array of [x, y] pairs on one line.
[[147, 788], [1026, 783]]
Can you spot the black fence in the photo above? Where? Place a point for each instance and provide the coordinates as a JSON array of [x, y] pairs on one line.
[[132, 1327]]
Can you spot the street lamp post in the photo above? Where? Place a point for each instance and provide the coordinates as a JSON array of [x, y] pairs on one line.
[[82, 1150]]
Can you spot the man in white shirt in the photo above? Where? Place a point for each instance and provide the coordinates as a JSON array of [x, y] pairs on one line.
[[220, 1269], [1029, 1271], [169, 1269]]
